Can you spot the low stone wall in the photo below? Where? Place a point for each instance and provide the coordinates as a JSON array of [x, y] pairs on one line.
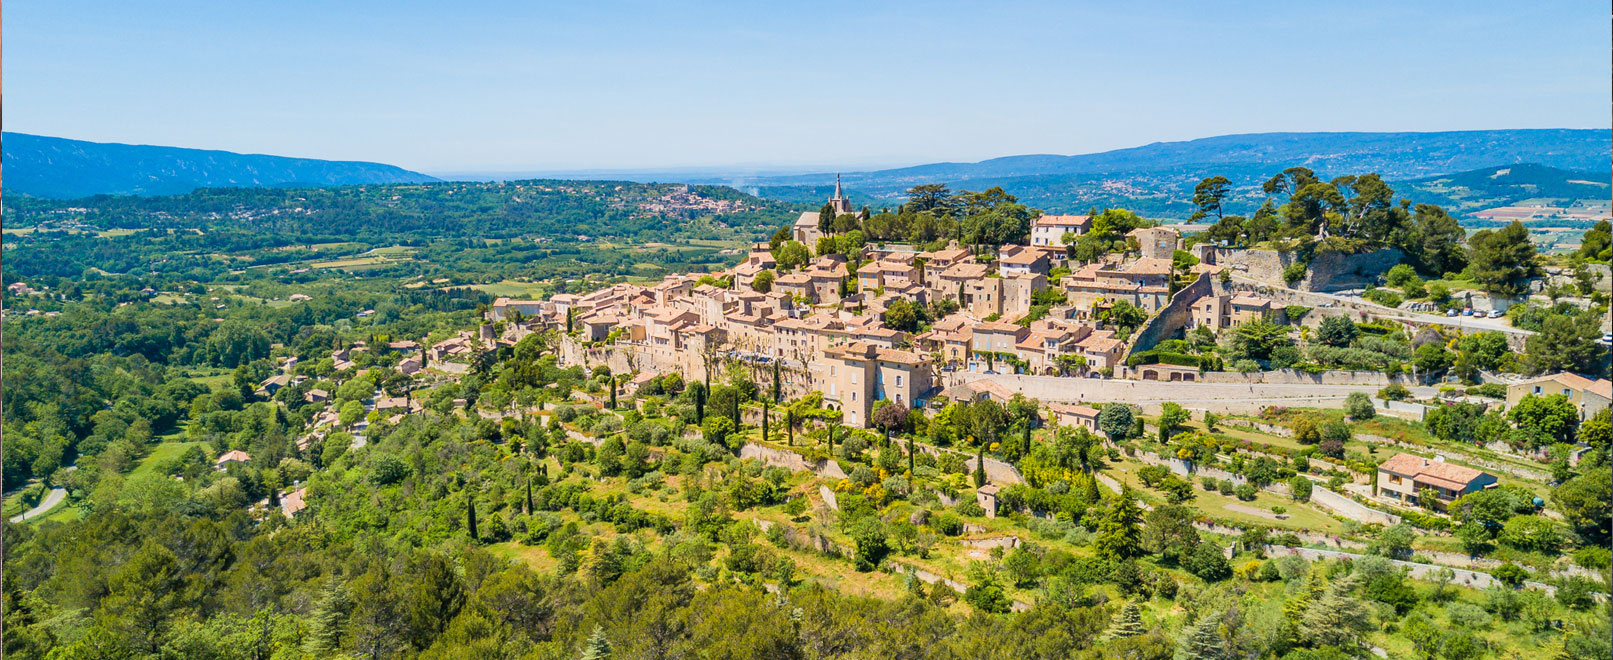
[[1295, 377], [829, 497], [1418, 570], [792, 461], [1349, 508]]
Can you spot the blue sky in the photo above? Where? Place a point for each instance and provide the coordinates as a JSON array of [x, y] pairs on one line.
[[455, 87]]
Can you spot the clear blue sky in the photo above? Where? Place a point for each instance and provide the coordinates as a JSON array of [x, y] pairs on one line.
[[444, 87]]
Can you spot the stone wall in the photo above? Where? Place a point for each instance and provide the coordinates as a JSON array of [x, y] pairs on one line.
[[1333, 271], [1171, 318], [1263, 265], [1297, 377], [1327, 271], [1349, 508]]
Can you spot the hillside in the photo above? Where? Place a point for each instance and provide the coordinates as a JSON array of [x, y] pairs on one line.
[[1157, 179], [1506, 185], [59, 168], [558, 210]]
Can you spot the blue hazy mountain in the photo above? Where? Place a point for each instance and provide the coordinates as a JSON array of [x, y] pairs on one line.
[[1158, 178], [59, 168]]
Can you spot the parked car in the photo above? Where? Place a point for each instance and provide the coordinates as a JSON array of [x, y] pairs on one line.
[[1496, 313], [1450, 312], [1467, 312]]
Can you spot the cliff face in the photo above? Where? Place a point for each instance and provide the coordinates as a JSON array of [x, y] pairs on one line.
[[1328, 271]]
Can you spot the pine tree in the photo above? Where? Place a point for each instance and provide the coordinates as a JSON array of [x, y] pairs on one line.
[[1337, 618], [327, 620], [597, 647], [1203, 640], [470, 517], [1128, 622], [1119, 533]]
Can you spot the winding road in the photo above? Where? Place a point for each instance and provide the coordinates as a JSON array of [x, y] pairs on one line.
[[53, 498]]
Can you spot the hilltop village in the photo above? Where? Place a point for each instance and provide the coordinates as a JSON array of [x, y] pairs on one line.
[[829, 324]]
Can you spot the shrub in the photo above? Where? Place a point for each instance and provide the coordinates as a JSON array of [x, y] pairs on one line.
[[1300, 488], [1510, 574], [1359, 406], [1294, 272], [1383, 297], [1398, 392], [1245, 492]]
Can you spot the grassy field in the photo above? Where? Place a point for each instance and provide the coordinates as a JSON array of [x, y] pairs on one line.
[[509, 289], [165, 451]]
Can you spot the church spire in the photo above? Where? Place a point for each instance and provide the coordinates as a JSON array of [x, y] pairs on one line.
[[839, 203]]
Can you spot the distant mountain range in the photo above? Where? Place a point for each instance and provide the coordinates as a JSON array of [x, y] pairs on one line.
[[59, 168], [1157, 179]]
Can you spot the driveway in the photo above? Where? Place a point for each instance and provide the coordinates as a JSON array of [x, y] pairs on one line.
[[53, 498]]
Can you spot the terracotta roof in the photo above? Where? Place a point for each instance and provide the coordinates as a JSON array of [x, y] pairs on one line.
[[293, 502], [1073, 409], [1439, 473], [1064, 220]]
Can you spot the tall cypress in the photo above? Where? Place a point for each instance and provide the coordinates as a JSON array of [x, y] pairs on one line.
[[613, 391], [980, 466], [470, 517], [1027, 451], [789, 425], [910, 464], [528, 509], [777, 391], [764, 420]]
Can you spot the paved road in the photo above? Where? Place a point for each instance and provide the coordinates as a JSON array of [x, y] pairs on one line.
[[1463, 322], [53, 498]]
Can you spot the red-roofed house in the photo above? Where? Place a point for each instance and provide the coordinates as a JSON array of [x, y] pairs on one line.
[[1404, 476]]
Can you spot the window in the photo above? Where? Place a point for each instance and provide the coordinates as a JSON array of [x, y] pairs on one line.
[[898, 383], [853, 378], [1537, 389], [1394, 478]]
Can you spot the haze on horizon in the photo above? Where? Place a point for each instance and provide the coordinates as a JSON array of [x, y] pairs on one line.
[[619, 86]]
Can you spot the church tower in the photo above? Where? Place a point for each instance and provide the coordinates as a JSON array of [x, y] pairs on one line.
[[839, 203]]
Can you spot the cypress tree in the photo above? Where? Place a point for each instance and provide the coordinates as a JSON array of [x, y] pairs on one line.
[[777, 385], [910, 464], [613, 391], [980, 466], [764, 420], [1027, 451], [789, 425], [528, 509], [470, 516]]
